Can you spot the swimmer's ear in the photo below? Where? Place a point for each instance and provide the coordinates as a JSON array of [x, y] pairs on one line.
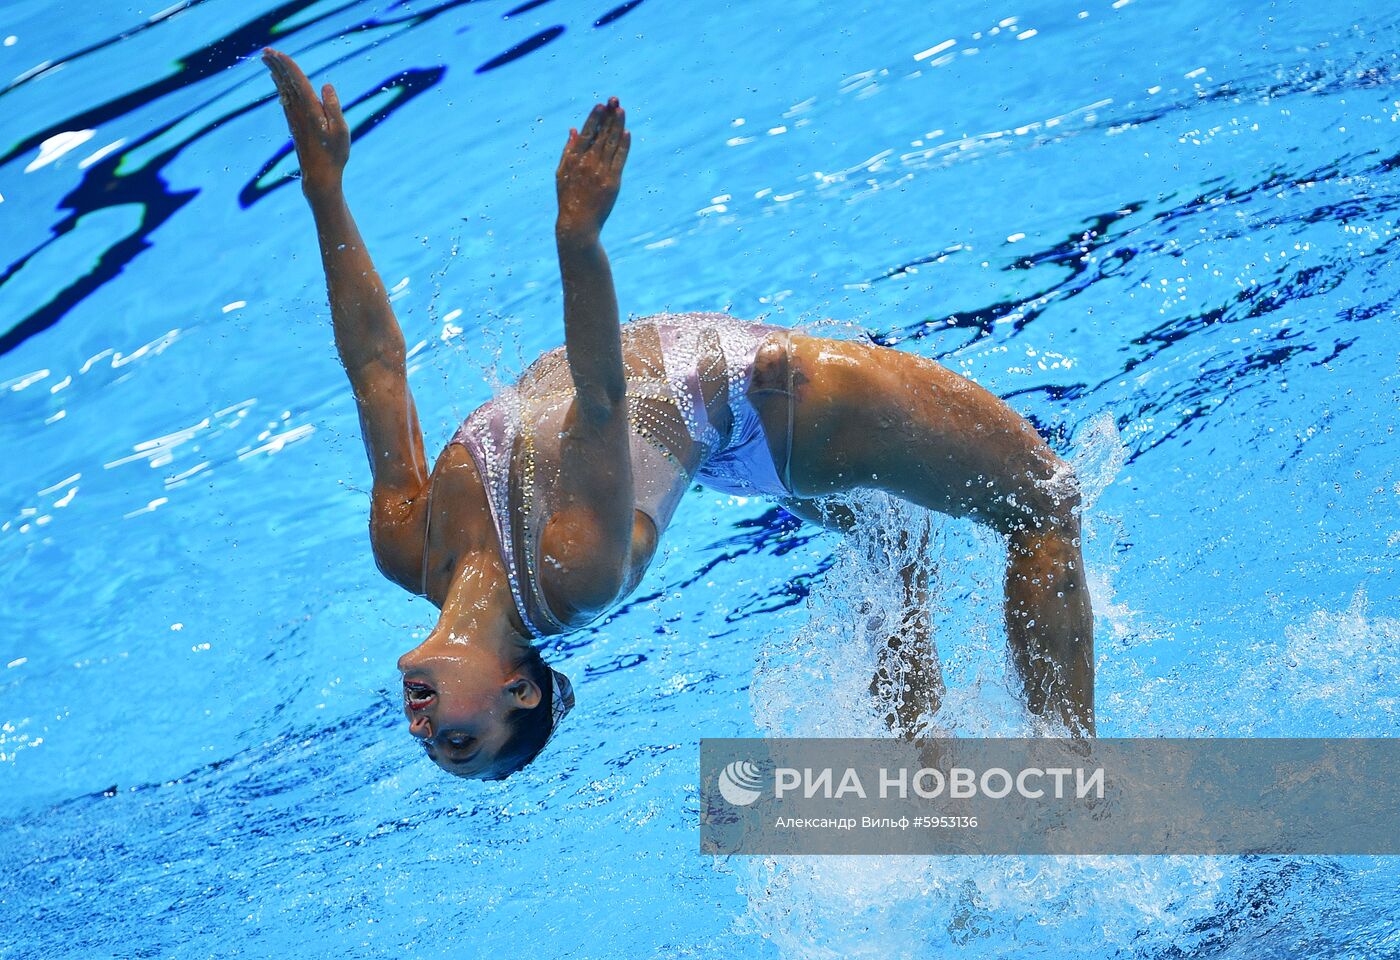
[[524, 693]]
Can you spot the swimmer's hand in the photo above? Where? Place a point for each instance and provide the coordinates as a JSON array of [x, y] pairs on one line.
[[590, 172], [319, 130]]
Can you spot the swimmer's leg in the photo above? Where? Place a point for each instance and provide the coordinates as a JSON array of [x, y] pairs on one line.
[[1050, 625], [908, 675], [908, 678], [869, 416]]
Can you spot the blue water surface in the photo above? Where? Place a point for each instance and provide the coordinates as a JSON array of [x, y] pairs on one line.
[[1165, 231]]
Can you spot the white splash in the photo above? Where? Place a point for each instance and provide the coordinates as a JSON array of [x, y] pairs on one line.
[[817, 683]]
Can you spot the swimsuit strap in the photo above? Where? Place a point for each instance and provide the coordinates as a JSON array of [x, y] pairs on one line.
[[489, 438], [427, 525], [787, 458]]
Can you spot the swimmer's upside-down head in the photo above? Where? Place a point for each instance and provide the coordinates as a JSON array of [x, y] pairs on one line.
[[480, 715]]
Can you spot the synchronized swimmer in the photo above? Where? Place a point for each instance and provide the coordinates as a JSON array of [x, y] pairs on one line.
[[546, 507]]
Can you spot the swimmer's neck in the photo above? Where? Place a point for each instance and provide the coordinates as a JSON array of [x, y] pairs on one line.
[[479, 608]]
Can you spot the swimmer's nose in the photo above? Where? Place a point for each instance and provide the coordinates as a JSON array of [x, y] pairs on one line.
[[420, 726]]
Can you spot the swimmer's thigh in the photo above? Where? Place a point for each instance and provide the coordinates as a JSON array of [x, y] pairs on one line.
[[869, 416]]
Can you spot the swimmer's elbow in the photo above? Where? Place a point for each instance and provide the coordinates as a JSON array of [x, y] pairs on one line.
[[577, 599], [392, 569], [396, 538], [582, 572]]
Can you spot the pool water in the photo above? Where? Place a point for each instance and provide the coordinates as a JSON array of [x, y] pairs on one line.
[[1164, 231]]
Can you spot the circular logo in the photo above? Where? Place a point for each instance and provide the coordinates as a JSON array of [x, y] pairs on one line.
[[741, 783]]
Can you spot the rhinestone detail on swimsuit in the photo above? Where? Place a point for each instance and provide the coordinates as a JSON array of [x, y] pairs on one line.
[[674, 363]]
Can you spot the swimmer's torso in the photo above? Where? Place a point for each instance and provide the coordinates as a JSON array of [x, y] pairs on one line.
[[686, 381]]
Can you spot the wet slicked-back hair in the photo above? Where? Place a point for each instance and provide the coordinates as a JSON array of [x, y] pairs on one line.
[[529, 729]]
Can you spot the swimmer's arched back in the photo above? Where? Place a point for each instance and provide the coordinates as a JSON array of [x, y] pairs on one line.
[[546, 508]]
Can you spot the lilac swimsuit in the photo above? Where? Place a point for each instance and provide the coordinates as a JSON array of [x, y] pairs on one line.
[[674, 362]]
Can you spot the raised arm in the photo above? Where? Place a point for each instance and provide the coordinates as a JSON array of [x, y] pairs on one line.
[[591, 535], [367, 335], [588, 179]]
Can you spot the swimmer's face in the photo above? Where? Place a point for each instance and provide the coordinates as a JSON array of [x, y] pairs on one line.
[[456, 705]]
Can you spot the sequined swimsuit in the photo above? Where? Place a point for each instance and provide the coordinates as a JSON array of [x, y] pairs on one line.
[[674, 363]]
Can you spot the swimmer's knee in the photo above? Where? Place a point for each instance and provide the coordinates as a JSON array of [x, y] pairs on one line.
[[1061, 499], [1049, 504]]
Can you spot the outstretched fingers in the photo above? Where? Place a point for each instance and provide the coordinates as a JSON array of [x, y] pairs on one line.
[[335, 117], [589, 171], [613, 125], [290, 80], [603, 129], [590, 128], [569, 150], [299, 101], [624, 144]]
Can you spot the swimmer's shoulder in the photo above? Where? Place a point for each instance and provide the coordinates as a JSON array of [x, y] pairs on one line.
[[420, 544]]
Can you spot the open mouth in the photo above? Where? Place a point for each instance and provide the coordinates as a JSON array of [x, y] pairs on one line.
[[417, 695]]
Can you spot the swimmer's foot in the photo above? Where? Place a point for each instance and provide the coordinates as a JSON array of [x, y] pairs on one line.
[[590, 171]]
